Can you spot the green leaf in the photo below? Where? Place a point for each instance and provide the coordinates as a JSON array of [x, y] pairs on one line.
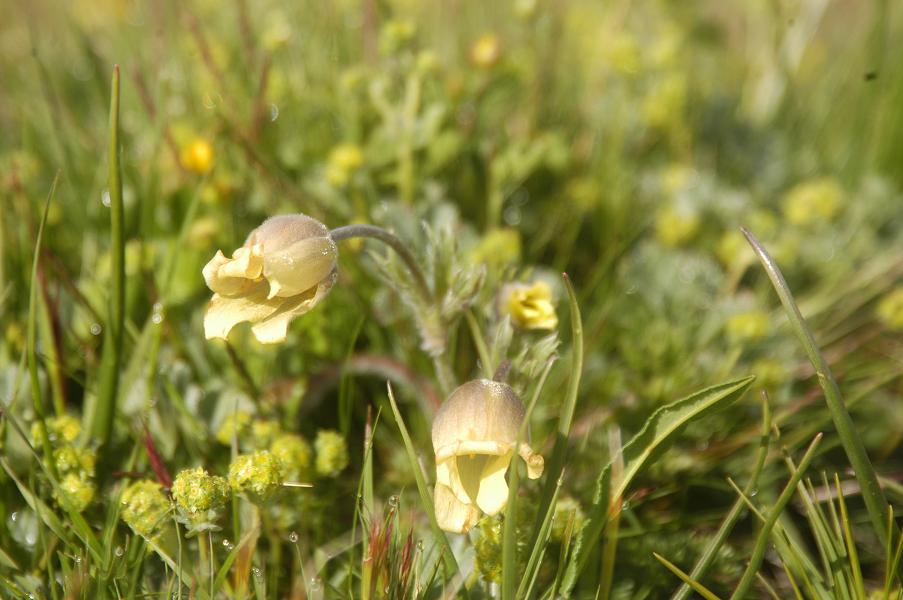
[[653, 439]]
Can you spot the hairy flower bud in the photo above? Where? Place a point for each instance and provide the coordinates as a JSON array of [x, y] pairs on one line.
[[475, 437], [285, 267]]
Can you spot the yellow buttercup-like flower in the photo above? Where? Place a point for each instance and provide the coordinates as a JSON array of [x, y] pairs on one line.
[[285, 267], [474, 438], [529, 306], [197, 156]]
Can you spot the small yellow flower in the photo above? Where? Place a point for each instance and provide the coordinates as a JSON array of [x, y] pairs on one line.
[[529, 306], [258, 475], [486, 51], [286, 266], [813, 201], [332, 453], [75, 492], [197, 156], [196, 492], [474, 439]]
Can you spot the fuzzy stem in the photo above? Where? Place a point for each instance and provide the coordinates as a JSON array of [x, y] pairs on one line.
[[360, 230]]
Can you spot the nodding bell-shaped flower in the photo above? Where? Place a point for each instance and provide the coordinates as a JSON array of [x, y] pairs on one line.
[[285, 267], [474, 438]]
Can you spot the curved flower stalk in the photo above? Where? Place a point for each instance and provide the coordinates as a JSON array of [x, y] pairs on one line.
[[475, 437], [284, 269]]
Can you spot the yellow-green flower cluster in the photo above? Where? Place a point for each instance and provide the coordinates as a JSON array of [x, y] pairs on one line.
[[74, 464], [747, 326], [75, 492], [344, 161], [197, 493], [294, 456], [64, 428], [257, 475], [144, 507], [813, 201], [332, 453], [675, 226], [890, 309], [488, 550], [235, 425]]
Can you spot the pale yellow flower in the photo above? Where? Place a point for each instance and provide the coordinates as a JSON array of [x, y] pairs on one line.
[[197, 156], [474, 438], [285, 267], [529, 306]]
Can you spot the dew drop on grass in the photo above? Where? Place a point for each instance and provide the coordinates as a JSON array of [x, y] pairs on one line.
[[228, 545], [393, 501], [96, 328], [315, 584], [258, 574], [274, 112], [293, 537], [118, 551], [105, 198]]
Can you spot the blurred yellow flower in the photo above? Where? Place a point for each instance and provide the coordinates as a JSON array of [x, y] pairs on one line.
[[197, 156], [675, 227], [813, 201], [747, 326], [486, 51], [343, 161], [890, 309], [474, 439], [529, 306], [498, 247], [286, 266]]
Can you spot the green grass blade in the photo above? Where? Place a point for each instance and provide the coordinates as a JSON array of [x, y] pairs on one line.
[[654, 438], [555, 465], [762, 539], [711, 550], [859, 587], [480, 342], [31, 337], [872, 494], [108, 379], [451, 565], [689, 581], [510, 574]]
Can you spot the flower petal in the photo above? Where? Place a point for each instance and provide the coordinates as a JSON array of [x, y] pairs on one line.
[[493, 493], [534, 460], [452, 514], [224, 313], [273, 328], [300, 267], [233, 276]]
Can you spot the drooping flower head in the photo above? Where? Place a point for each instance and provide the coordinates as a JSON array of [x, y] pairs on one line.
[[285, 267], [475, 437]]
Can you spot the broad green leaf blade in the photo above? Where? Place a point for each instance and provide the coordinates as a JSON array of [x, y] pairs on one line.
[[653, 439]]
